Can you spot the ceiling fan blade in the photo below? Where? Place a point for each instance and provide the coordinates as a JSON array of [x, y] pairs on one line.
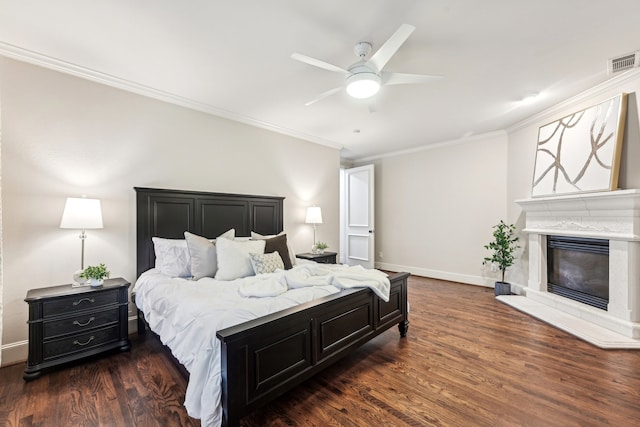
[[324, 95], [390, 47], [317, 63], [404, 79]]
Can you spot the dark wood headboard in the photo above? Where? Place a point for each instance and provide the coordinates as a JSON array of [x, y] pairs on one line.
[[169, 213]]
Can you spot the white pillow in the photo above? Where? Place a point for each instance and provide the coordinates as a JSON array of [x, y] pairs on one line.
[[172, 257], [233, 258], [292, 254], [202, 251], [266, 263]]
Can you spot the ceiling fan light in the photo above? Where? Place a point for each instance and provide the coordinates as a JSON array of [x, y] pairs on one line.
[[363, 85]]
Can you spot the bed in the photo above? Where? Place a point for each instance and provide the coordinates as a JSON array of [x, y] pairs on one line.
[[264, 357]]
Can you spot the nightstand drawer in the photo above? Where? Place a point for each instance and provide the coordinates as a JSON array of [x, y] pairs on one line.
[[80, 302], [80, 322], [80, 342]]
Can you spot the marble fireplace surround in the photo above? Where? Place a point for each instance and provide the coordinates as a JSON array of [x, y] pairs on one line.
[[612, 215]]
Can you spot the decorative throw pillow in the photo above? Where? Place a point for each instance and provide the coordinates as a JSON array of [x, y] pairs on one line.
[[266, 263], [172, 257], [279, 244], [204, 262], [234, 261], [292, 254]]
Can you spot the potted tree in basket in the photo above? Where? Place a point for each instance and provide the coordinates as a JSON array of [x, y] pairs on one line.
[[504, 245], [96, 274]]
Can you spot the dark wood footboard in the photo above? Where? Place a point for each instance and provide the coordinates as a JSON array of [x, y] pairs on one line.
[[263, 358]]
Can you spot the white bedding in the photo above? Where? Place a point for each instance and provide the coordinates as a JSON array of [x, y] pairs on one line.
[[187, 315]]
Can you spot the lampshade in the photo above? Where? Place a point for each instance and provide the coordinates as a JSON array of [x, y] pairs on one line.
[[314, 215], [81, 214], [363, 85]]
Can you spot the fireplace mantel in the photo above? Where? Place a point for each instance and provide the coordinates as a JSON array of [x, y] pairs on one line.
[[611, 215]]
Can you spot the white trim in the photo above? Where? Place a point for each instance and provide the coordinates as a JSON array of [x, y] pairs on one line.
[[559, 108], [31, 57], [437, 274], [464, 140], [15, 352], [132, 323]]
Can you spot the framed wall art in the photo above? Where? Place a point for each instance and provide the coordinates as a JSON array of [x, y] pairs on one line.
[[581, 152]]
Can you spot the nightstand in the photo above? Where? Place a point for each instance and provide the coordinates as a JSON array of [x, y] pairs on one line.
[[325, 258], [68, 324]]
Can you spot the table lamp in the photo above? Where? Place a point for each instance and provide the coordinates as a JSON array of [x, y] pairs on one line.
[[81, 214], [314, 216]]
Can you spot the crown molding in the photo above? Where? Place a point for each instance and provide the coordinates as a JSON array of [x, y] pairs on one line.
[[464, 140], [45, 61], [593, 92]]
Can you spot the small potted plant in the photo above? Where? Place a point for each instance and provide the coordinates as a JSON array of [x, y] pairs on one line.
[[320, 247], [504, 245], [96, 274]]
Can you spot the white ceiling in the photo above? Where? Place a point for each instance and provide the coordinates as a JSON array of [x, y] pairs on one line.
[[232, 58]]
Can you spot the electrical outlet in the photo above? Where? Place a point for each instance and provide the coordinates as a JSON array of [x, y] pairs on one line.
[[494, 267], [380, 254]]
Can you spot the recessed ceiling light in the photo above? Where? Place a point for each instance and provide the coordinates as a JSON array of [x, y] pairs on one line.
[[529, 98]]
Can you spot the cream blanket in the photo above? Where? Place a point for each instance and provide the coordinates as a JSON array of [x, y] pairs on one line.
[[313, 274]]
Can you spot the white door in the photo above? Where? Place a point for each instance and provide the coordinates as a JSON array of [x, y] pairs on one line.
[[358, 238]]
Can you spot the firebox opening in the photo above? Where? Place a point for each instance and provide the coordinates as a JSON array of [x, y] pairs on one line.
[[578, 268]]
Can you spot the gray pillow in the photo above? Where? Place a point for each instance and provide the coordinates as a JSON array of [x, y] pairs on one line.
[[204, 261]]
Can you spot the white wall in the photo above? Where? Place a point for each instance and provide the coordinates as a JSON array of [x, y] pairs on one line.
[[522, 145], [435, 208], [1, 257], [65, 136]]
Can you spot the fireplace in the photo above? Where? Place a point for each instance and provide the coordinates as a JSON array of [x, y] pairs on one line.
[[602, 306], [578, 269]]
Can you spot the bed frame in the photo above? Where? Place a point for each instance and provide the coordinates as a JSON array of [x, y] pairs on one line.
[[263, 358]]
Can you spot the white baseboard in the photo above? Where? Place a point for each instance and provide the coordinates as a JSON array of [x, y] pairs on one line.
[[15, 352], [133, 324], [436, 274]]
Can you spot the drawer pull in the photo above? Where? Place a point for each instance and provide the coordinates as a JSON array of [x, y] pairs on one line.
[[91, 300], [82, 344], [91, 319]]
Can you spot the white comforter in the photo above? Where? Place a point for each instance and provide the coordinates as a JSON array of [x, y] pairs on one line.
[[187, 315]]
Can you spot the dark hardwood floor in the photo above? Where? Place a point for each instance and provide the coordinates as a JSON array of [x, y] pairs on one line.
[[468, 360]]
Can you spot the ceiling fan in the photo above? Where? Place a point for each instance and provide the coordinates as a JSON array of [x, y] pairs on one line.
[[364, 78]]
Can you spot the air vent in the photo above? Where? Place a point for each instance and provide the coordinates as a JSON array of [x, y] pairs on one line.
[[623, 63]]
